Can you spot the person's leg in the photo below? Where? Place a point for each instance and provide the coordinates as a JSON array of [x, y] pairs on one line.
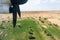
[[14, 18], [14, 15], [19, 12]]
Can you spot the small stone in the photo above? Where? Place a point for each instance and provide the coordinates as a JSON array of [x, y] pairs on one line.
[[31, 37], [31, 33]]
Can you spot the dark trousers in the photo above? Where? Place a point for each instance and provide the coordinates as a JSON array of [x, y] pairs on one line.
[[15, 11]]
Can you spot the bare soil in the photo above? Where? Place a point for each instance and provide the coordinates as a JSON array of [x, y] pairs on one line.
[[52, 16]]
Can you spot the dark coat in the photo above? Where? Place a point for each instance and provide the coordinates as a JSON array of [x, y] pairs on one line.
[[15, 4], [18, 2]]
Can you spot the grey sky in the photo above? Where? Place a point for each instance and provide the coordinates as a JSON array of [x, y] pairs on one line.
[[34, 5], [38, 5]]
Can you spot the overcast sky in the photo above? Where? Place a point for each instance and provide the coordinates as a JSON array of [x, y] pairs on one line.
[[36, 5], [40, 5]]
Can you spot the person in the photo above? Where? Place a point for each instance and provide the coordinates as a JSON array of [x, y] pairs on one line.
[[15, 9]]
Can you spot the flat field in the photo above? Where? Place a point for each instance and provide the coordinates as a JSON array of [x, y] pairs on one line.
[[31, 26]]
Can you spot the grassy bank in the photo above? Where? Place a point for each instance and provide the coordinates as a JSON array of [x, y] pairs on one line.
[[29, 29]]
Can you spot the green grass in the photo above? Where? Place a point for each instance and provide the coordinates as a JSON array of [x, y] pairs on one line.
[[54, 30], [22, 29], [21, 32]]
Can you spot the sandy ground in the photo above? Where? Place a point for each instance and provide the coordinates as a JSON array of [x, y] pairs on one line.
[[52, 16]]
